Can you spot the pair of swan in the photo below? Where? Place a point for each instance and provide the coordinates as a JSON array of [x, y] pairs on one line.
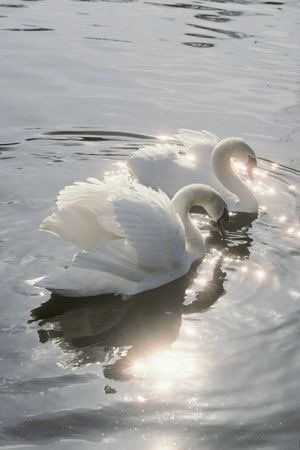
[[134, 238]]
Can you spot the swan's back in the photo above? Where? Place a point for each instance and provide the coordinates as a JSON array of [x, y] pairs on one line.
[[204, 139], [170, 167]]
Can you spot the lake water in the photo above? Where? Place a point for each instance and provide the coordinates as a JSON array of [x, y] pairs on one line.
[[210, 361]]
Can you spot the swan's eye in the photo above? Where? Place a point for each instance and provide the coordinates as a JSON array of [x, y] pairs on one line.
[[252, 160], [251, 164]]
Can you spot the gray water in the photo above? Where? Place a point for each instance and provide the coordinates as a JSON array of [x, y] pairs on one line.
[[210, 361]]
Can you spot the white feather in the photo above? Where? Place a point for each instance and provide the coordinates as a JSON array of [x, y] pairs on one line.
[[84, 212], [153, 229], [153, 241], [192, 137], [199, 157]]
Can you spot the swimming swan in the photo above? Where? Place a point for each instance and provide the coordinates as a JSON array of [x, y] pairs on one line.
[[133, 237], [203, 158]]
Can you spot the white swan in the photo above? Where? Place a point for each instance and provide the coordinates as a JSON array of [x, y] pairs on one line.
[[203, 158], [134, 238]]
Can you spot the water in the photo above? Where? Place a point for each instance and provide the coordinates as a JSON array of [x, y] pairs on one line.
[[212, 360]]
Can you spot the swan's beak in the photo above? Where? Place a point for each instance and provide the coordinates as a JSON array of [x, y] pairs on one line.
[[251, 164], [220, 223]]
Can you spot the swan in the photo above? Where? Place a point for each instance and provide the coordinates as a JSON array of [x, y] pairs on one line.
[[133, 238], [202, 158]]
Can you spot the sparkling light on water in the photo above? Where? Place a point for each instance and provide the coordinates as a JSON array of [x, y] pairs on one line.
[[201, 281], [164, 370], [163, 444], [138, 366], [163, 137], [260, 274], [271, 191], [282, 219], [188, 330], [291, 230], [164, 386], [294, 293], [190, 157]]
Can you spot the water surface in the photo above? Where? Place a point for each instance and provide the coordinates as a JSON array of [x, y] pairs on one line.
[[211, 360]]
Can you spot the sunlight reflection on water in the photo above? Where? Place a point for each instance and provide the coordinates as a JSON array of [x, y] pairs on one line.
[[212, 360]]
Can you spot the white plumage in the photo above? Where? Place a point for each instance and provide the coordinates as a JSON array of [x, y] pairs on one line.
[[133, 237], [201, 158]]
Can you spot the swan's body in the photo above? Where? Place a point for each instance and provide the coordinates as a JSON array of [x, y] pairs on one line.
[[133, 238], [203, 158]]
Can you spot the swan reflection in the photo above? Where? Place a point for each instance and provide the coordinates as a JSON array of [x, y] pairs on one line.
[[148, 336], [131, 338]]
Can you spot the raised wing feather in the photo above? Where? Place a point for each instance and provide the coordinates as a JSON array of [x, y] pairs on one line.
[[163, 166], [172, 166], [153, 229], [191, 137], [84, 214]]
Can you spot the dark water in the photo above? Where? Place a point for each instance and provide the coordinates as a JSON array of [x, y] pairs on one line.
[[209, 361]]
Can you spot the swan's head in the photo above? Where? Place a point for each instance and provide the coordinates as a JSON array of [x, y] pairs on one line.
[[206, 197], [215, 206], [239, 149]]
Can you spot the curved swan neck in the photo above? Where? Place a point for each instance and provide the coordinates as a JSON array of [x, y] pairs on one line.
[[221, 163], [182, 202]]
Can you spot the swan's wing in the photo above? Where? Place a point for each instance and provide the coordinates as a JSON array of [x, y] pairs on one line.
[[190, 138], [173, 166], [163, 166], [198, 147], [154, 237], [153, 229], [114, 257], [84, 214]]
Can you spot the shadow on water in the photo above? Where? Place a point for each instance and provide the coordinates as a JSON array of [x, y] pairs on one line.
[[238, 241], [115, 332], [71, 136], [28, 29]]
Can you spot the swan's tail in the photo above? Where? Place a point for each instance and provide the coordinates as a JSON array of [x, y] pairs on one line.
[[111, 268], [75, 282]]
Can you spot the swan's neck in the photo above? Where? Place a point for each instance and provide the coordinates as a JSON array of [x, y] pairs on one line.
[[221, 163], [183, 202]]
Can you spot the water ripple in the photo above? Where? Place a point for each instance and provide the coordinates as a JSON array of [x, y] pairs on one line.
[[106, 39], [12, 5], [231, 34], [9, 386], [28, 29]]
